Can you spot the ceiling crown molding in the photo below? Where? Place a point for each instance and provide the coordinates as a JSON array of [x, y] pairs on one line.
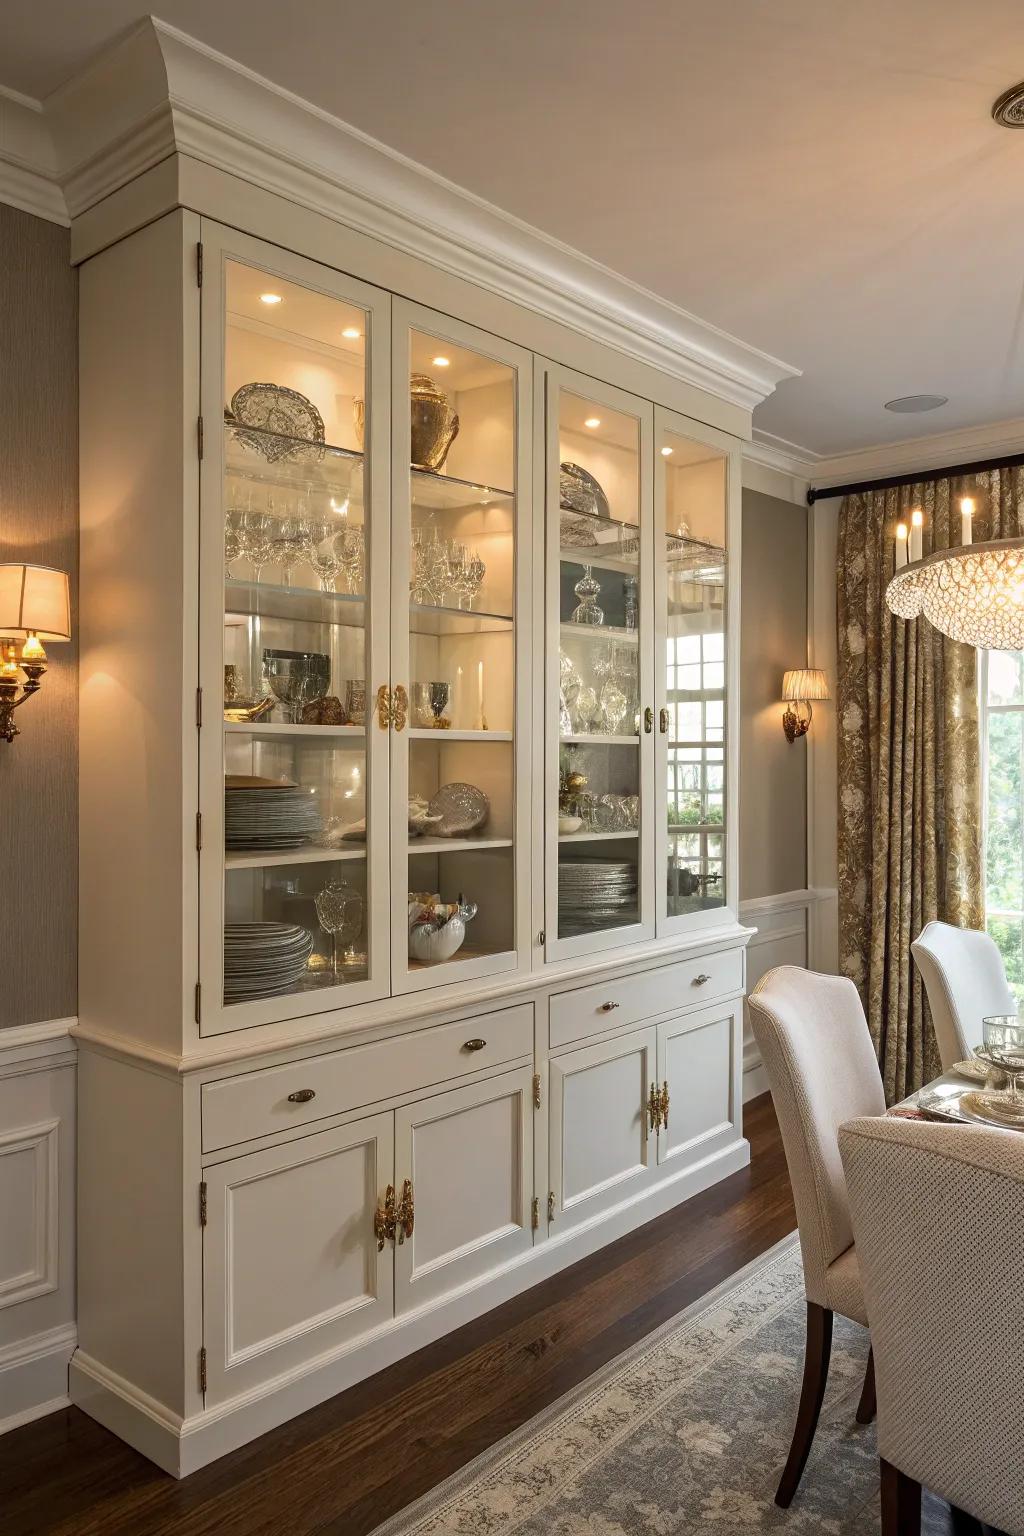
[[157, 92], [28, 166]]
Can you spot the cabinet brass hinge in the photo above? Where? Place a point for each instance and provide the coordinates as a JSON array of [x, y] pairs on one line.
[[199, 708], [536, 1090], [202, 1369], [199, 1002], [535, 1213], [199, 263], [199, 434], [199, 831], [202, 1204], [551, 1205]]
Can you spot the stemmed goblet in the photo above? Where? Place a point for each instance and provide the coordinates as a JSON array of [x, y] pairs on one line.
[[322, 553], [257, 533]]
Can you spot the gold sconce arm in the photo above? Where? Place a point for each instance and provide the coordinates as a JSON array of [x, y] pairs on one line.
[[13, 690]]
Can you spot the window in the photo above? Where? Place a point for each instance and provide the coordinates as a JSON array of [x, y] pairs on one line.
[[1002, 735], [696, 755]]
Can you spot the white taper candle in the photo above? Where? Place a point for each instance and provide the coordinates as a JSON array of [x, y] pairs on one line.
[[901, 545], [966, 514], [916, 534]]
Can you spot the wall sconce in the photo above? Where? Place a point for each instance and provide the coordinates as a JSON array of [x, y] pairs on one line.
[[35, 605], [798, 689]]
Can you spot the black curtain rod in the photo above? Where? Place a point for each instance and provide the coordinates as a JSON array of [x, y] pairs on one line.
[[949, 472]]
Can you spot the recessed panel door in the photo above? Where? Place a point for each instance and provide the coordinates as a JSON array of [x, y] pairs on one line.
[[698, 1083]]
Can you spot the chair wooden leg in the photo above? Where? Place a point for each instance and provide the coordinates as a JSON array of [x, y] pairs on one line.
[[816, 1359], [964, 1524], [867, 1405], [901, 1502]]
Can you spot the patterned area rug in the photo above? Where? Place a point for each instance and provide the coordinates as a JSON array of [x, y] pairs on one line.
[[687, 1432]]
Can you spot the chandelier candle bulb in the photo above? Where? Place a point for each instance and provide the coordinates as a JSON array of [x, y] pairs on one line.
[[916, 534], [966, 514], [901, 545]]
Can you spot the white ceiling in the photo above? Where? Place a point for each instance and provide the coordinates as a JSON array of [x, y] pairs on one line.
[[822, 180]]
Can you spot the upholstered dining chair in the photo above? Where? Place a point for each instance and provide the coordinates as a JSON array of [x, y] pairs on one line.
[[822, 1070], [963, 975], [937, 1214]]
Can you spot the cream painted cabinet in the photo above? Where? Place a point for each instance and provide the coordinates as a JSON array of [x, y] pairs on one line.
[[602, 1146], [291, 1264], [698, 1081], [464, 1172]]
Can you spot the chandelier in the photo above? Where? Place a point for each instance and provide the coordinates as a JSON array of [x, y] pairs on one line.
[[973, 593]]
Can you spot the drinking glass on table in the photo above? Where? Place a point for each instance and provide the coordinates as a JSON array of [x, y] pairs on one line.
[[1003, 1036]]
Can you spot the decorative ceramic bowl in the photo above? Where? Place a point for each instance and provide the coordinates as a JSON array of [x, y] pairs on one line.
[[430, 944]]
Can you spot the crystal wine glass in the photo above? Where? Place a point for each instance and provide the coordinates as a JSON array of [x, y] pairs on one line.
[[475, 573], [1004, 1048], [289, 546], [352, 554], [339, 910], [613, 706], [257, 537], [232, 539], [322, 553]]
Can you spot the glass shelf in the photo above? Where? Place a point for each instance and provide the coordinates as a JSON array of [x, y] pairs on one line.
[[597, 837], [613, 632], [262, 457], [269, 600], [438, 621], [261, 728], [425, 733], [597, 739], [256, 858], [447, 493], [436, 845]]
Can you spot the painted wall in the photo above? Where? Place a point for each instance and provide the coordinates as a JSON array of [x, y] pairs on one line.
[[773, 637], [39, 523]]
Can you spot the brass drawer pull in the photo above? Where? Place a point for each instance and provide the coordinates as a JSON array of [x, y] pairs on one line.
[[698, 981], [302, 1096], [608, 1007], [474, 1045]]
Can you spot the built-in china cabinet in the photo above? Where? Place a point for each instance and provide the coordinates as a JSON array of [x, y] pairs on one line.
[[411, 969]]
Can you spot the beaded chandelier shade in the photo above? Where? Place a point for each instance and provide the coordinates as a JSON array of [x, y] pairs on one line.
[[974, 593]]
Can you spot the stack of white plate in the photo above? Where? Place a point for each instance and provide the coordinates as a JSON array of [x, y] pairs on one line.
[[596, 893], [264, 959], [268, 815]]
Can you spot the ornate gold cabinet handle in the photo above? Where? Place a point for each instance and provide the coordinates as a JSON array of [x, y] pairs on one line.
[[663, 721], [302, 1096], [400, 708], [654, 1107], [383, 706], [648, 719], [406, 1212], [384, 1220], [664, 1105]]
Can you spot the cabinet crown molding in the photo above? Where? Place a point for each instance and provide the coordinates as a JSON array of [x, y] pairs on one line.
[[157, 92]]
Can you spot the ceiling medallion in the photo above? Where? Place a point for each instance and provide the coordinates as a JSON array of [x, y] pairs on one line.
[[973, 593], [1009, 109]]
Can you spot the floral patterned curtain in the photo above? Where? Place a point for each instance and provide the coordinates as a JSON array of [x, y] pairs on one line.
[[910, 846]]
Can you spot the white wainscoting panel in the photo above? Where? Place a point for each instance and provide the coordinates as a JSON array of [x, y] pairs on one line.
[[783, 937], [37, 1219]]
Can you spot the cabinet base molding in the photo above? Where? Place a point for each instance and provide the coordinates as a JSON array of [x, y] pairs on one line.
[[181, 1446]]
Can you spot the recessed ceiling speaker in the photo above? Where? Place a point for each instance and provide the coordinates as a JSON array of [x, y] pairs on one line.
[[910, 405], [1009, 109]]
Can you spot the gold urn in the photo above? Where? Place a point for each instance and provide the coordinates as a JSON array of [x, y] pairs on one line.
[[435, 425]]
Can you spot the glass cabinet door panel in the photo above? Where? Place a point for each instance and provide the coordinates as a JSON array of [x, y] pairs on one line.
[[598, 585], [692, 569], [296, 551], [456, 652]]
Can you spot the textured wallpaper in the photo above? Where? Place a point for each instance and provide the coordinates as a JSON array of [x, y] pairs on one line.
[[39, 522]]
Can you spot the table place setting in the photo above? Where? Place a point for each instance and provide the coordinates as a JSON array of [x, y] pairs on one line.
[[995, 1067]]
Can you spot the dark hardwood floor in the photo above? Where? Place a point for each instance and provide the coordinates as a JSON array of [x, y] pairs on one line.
[[345, 1466]]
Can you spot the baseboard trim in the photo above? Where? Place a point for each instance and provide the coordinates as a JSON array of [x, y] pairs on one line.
[[34, 1375], [181, 1447]]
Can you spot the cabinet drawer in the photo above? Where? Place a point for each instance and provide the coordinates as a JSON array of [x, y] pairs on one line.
[[238, 1109], [607, 1004]]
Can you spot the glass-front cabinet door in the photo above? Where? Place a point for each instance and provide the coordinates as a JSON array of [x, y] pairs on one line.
[[460, 651], [696, 537], [599, 826], [293, 627]]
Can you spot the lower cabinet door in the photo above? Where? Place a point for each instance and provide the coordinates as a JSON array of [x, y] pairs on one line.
[[290, 1262], [602, 1142], [698, 1069], [464, 1183]]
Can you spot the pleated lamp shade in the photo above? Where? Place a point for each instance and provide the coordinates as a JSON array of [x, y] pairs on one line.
[[805, 685], [34, 600]]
